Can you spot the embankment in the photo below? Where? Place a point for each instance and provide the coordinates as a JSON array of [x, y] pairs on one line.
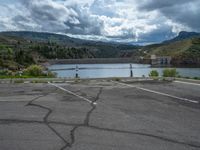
[[93, 61]]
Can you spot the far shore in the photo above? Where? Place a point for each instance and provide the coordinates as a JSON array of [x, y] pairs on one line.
[[92, 61], [50, 62]]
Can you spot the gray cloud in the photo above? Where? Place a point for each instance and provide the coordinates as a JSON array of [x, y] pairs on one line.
[[51, 16], [181, 11], [119, 20], [88, 24], [158, 35], [160, 4]]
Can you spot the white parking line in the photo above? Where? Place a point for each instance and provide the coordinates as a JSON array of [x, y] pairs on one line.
[[159, 93], [72, 93], [187, 83]]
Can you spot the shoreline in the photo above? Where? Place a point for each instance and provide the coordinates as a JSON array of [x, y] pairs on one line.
[[122, 79]]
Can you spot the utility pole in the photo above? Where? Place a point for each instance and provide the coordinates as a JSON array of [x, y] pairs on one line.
[[76, 71], [131, 71]]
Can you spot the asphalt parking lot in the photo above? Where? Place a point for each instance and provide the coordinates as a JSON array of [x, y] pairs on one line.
[[100, 115]]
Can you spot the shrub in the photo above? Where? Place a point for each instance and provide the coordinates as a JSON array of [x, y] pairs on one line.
[[170, 73], [6, 73], [154, 73], [179, 76], [51, 74], [34, 70], [3, 72], [196, 78]]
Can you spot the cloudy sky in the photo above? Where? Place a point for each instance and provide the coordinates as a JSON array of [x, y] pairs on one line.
[[137, 21]]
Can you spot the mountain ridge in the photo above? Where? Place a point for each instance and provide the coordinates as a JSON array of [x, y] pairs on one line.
[[183, 35], [62, 38]]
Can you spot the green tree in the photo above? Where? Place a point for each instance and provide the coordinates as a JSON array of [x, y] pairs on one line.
[[34, 70], [170, 72], [153, 73]]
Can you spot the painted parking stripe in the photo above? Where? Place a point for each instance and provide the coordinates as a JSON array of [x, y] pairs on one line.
[[159, 93], [72, 93], [187, 83]]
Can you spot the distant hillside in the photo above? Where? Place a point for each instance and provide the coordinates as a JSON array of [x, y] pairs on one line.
[[25, 48], [100, 49], [183, 35], [16, 52], [43, 37], [183, 52]]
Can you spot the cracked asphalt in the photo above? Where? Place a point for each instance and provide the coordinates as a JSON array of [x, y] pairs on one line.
[[119, 117]]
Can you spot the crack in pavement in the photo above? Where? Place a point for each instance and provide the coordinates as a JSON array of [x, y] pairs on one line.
[[101, 129], [45, 118], [86, 124], [49, 112], [16, 121], [145, 134], [87, 118]]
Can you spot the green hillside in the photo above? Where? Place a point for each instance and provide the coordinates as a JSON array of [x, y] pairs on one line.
[[17, 52], [19, 49], [99, 49], [184, 52]]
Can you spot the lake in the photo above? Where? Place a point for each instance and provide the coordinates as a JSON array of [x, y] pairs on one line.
[[113, 70]]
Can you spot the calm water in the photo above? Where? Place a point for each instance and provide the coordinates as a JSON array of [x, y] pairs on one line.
[[114, 70]]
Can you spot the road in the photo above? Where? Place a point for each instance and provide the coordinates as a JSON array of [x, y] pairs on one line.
[[100, 115]]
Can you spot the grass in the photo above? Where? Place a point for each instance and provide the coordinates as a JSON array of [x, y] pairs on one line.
[[22, 77], [172, 49]]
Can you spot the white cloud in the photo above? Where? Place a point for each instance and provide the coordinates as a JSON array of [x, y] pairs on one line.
[[119, 20]]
